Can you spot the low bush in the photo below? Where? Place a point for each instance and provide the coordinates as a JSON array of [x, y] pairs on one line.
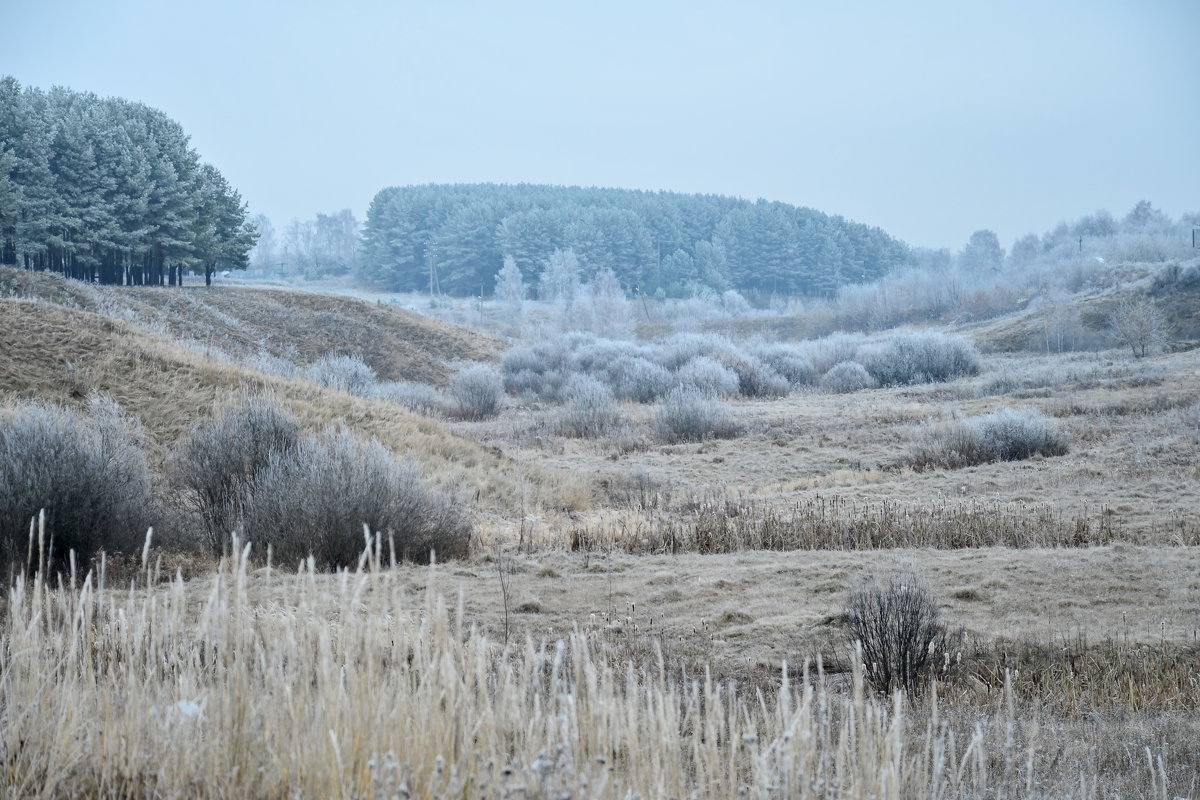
[[85, 467], [591, 410], [707, 376], [220, 460], [345, 373], [787, 361], [925, 357], [477, 391], [316, 499], [638, 380], [689, 415], [848, 376], [1004, 435], [755, 379], [899, 627], [681, 348]]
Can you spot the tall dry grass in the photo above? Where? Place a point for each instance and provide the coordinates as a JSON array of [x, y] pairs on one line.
[[661, 521], [265, 684]]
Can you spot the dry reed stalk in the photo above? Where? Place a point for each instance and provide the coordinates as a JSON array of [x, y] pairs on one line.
[[279, 685]]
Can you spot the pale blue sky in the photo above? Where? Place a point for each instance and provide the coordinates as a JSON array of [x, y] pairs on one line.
[[929, 119]]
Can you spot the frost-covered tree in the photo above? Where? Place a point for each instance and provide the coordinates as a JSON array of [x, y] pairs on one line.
[[104, 190], [609, 306], [265, 254], [1139, 325], [559, 283], [510, 288], [982, 252]]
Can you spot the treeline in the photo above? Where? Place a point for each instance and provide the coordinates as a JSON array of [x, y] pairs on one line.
[[325, 245], [454, 238], [103, 189]]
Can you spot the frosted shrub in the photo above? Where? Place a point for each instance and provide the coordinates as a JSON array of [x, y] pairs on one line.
[[1004, 435], [832, 350], [345, 373], [786, 361], [733, 304], [638, 379], [925, 357], [848, 376], [688, 415], [86, 468], [417, 397], [591, 410], [707, 376], [541, 368], [681, 348], [477, 391], [317, 498], [219, 461], [1013, 435], [595, 358], [755, 379]]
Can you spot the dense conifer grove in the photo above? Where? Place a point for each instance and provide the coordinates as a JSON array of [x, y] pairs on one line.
[[454, 238], [106, 190]]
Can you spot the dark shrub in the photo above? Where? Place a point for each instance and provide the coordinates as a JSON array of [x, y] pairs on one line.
[[899, 626], [315, 500], [220, 460], [86, 468]]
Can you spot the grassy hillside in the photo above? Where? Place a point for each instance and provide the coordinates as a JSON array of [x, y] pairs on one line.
[[61, 354], [298, 326]]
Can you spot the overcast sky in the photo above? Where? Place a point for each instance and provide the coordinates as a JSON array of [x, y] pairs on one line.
[[929, 119]]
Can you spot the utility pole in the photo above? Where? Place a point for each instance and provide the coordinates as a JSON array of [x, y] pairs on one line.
[[1081, 244]]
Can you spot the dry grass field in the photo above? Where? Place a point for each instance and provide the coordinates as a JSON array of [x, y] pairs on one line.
[[635, 618]]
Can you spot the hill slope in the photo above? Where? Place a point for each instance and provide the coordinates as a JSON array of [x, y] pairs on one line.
[[59, 353], [294, 325]]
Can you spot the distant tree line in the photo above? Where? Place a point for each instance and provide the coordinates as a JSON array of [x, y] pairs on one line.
[[454, 238], [325, 245], [106, 190]]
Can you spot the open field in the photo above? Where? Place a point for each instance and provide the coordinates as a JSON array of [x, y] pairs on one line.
[[621, 624]]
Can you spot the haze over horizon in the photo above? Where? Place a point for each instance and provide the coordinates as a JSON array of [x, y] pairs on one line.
[[930, 121]]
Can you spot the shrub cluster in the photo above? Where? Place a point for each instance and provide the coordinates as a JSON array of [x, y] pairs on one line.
[[899, 627], [317, 499], [477, 391], [690, 415], [716, 365], [85, 467], [251, 469], [846, 377], [220, 460], [924, 357], [591, 410], [345, 373], [1004, 435], [646, 372]]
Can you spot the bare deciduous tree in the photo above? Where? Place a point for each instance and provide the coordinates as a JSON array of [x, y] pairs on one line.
[[1138, 324]]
